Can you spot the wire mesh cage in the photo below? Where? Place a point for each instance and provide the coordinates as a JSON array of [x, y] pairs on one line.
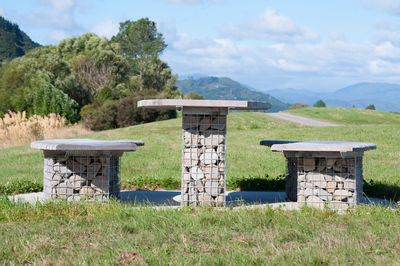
[[203, 158], [82, 177], [328, 182]]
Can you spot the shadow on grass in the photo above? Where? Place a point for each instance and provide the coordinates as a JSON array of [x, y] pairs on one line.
[[257, 183], [378, 189]]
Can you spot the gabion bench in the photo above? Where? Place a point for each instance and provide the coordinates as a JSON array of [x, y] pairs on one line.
[[203, 146], [325, 173], [76, 169]]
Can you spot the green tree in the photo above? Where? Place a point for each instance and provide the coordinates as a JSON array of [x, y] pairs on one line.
[[140, 39], [370, 107], [319, 103], [142, 44]]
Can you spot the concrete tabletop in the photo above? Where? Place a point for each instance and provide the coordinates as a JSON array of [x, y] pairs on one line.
[[173, 104], [335, 146], [86, 145]]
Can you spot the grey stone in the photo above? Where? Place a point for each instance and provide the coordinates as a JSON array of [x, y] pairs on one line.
[[190, 157], [316, 179], [219, 123], [211, 188], [309, 164], [64, 190], [56, 179], [196, 173], [211, 172], [209, 157], [314, 201], [341, 194], [331, 186], [213, 140], [76, 181], [205, 123], [62, 170], [186, 176]]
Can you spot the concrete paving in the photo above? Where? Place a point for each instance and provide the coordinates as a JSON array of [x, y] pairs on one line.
[[171, 199], [302, 120]]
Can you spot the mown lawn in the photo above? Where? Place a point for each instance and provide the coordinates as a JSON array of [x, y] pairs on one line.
[[95, 234]]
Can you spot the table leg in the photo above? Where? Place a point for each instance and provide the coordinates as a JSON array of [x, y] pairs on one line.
[[204, 156]]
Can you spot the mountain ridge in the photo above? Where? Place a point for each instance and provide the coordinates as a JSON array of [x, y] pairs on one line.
[[224, 88], [384, 96], [13, 41]]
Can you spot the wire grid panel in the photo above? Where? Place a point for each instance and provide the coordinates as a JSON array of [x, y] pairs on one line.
[[291, 179], [203, 159], [82, 177], [332, 182]]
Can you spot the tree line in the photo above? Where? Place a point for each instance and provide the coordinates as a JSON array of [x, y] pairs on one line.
[[92, 78]]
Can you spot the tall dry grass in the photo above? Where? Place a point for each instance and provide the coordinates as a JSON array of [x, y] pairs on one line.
[[18, 129]]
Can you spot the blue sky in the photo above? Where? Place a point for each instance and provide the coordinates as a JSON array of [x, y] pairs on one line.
[[309, 44]]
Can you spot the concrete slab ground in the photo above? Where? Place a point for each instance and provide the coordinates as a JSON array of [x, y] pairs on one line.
[[171, 198]]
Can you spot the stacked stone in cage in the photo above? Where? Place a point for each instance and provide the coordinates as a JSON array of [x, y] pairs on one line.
[[81, 177], [203, 171], [331, 182]]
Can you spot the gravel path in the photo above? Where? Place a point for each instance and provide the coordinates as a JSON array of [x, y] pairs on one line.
[[303, 120]]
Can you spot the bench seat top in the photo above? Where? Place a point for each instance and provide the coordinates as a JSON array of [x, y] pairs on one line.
[[176, 103], [86, 145], [324, 146]]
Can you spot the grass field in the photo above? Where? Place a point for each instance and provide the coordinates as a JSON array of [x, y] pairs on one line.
[[70, 234], [249, 165], [114, 233]]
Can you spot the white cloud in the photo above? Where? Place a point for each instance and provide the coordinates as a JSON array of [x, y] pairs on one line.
[[1, 11], [273, 26], [388, 51], [54, 13], [391, 6], [384, 68], [107, 28], [191, 1], [58, 35]]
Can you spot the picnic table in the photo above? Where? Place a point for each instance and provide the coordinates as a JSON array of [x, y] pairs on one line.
[[203, 145]]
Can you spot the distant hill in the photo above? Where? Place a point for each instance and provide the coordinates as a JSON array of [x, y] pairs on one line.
[[385, 96], [13, 41], [213, 88]]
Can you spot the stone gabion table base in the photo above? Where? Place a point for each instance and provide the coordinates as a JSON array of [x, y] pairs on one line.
[[327, 181], [83, 169], [203, 158], [324, 173], [76, 177]]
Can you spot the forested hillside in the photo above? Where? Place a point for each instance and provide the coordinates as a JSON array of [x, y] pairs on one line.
[[13, 41], [214, 88]]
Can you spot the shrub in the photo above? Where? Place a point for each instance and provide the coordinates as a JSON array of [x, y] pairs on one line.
[[100, 116], [319, 103], [370, 107], [122, 113], [297, 106]]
